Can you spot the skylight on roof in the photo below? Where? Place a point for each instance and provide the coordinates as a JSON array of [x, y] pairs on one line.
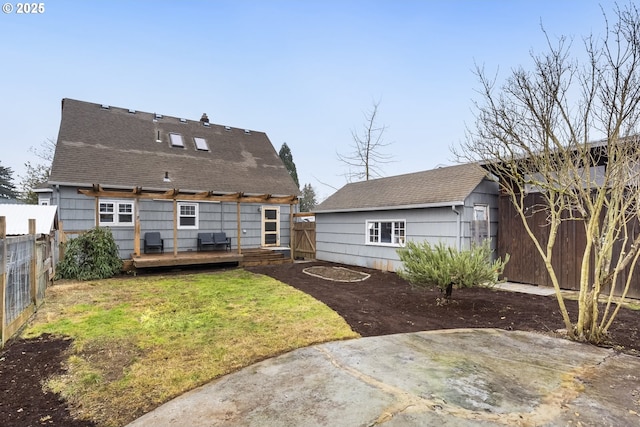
[[183, 120], [201, 143], [176, 140]]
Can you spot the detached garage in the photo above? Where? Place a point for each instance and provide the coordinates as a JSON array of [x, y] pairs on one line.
[[364, 223]]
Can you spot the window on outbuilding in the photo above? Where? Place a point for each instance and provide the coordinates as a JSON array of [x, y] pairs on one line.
[[386, 233], [480, 224]]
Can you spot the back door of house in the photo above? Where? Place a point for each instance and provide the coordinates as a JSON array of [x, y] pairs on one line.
[[270, 226]]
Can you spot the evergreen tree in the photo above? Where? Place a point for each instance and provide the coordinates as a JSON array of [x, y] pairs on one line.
[[7, 188], [287, 159], [308, 200]]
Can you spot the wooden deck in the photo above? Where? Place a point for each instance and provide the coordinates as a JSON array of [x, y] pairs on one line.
[[248, 257]]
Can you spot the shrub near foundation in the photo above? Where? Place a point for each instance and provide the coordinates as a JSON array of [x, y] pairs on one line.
[[425, 265], [93, 255]]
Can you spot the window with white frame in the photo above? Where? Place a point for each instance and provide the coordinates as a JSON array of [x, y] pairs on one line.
[[116, 212], [187, 215], [386, 233], [480, 224]]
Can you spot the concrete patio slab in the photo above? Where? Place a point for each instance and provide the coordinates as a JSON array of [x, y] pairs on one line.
[[480, 377]]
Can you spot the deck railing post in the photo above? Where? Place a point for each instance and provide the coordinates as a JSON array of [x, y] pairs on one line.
[[136, 231], [239, 226]]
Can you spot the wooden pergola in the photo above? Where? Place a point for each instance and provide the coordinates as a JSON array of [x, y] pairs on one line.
[[138, 193]]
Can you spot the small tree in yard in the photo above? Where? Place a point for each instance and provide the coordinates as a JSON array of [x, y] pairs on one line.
[[93, 255], [536, 134], [424, 264], [308, 200]]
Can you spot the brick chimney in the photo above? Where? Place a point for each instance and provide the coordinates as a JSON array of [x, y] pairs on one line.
[[204, 118]]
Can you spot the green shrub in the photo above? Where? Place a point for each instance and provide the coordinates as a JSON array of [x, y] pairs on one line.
[[424, 264], [93, 255]]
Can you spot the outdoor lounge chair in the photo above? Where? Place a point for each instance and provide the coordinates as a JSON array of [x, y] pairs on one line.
[[152, 240], [217, 240]]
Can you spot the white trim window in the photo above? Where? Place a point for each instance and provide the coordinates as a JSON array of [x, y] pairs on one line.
[[480, 225], [187, 216], [115, 213], [386, 232]]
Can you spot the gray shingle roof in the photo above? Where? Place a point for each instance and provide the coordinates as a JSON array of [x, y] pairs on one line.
[[117, 148], [446, 185]]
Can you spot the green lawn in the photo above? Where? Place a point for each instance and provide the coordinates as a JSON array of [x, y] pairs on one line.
[[139, 342]]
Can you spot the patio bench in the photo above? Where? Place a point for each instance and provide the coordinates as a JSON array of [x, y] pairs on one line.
[[213, 241]]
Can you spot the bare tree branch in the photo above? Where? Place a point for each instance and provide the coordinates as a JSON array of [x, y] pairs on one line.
[[364, 162], [568, 132]]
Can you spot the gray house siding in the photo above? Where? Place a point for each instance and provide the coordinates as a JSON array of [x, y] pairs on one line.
[[342, 236], [77, 212]]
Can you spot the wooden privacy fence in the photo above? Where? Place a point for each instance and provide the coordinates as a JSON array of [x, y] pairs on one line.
[[527, 266], [25, 264], [303, 243]]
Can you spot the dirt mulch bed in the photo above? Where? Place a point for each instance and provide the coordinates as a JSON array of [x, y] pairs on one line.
[[24, 366], [386, 304], [381, 304]]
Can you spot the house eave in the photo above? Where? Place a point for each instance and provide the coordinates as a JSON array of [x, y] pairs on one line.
[[389, 208]]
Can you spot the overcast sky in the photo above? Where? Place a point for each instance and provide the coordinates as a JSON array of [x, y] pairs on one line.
[[304, 72]]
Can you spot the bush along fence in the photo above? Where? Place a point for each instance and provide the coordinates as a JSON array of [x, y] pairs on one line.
[[24, 274]]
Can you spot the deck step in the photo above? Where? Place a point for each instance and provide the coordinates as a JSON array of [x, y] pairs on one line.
[[257, 257]]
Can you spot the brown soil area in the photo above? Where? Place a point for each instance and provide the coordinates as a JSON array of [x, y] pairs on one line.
[[378, 305]]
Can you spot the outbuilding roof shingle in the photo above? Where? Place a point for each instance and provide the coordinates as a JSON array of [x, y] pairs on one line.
[[122, 148], [445, 185]]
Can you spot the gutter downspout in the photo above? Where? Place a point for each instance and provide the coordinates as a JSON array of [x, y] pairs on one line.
[[458, 222], [59, 238], [57, 198]]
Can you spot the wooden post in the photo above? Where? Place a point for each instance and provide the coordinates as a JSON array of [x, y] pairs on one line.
[[32, 264], [175, 227], [136, 235], [3, 278], [97, 208], [239, 225], [291, 241], [62, 240]]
